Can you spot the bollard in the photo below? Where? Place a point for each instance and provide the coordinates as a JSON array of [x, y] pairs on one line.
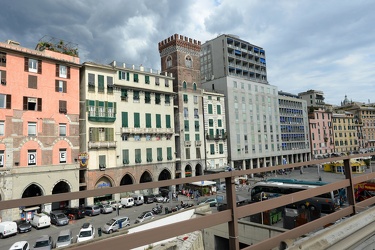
[[166, 210], [99, 231]]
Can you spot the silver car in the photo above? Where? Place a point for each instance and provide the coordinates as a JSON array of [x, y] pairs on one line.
[[59, 218], [106, 209], [145, 216], [44, 242], [64, 238]]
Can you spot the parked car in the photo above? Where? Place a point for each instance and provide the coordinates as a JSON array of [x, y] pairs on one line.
[[92, 210], [159, 198], [59, 218], [127, 202], [138, 199], [115, 224], [115, 204], [150, 198], [86, 233], [74, 213], [23, 226], [145, 216], [40, 221], [8, 228], [64, 238], [106, 209], [20, 245], [44, 242], [211, 201]]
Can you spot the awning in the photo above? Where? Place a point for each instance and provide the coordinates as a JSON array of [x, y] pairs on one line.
[[28, 209], [204, 183]]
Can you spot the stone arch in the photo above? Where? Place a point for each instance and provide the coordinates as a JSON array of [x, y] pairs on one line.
[[61, 186], [27, 139], [146, 177], [62, 139], [104, 181], [127, 179], [33, 189], [188, 171], [165, 174], [198, 169]]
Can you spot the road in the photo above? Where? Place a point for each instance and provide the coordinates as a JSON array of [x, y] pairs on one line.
[[75, 225]]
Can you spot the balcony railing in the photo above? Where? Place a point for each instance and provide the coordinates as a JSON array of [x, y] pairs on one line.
[[147, 130], [102, 144]]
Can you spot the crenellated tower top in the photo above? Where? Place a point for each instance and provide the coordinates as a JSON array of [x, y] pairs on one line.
[[181, 41]]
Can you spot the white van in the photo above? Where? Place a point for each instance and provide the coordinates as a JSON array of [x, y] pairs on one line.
[[127, 202], [40, 221], [138, 199], [8, 228]]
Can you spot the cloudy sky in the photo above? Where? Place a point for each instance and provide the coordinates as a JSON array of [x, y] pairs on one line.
[[323, 45]]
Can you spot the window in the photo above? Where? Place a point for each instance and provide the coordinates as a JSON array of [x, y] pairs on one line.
[[147, 97], [31, 103], [196, 115], [157, 98], [60, 86], [148, 120], [160, 154], [62, 129], [212, 149], [2, 128], [1, 156], [125, 156], [33, 82], [197, 137], [31, 157], [221, 148], [147, 79], [187, 152], [188, 62], [210, 122], [187, 137], [136, 96], [209, 107], [137, 137], [158, 121], [166, 83], [3, 59], [62, 155], [110, 84], [194, 86], [149, 154], [138, 156], [136, 120], [62, 107], [31, 65], [101, 134], [157, 81], [3, 76], [169, 153], [5, 101], [167, 121], [124, 121], [100, 83], [124, 95], [195, 99], [186, 113], [62, 71], [169, 62], [218, 109], [184, 85], [167, 99], [185, 98], [91, 82], [102, 162], [196, 125], [219, 123], [122, 75], [135, 76], [186, 125]]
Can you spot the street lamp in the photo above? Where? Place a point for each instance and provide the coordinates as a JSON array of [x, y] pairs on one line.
[[262, 196]]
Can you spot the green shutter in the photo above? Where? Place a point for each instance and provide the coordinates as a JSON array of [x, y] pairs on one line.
[[212, 149], [95, 134], [119, 75], [158, 120], [127, 76], [186, 125], [219, 123], [168, 121], [147, 79], [148, 120], [100, 82], [136, 120], [210, 108], [124, 119], [211, 132], [221, 148]]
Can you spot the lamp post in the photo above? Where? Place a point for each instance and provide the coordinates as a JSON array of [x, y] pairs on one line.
[[261, 199]]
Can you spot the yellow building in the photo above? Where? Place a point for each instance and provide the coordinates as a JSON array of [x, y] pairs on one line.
[[344, 132]]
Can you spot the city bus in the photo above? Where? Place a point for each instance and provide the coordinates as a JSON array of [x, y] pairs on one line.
[[327, 202]]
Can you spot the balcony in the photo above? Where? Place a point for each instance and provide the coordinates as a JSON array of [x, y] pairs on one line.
[[102, 144], [95, 118], [187, 143], [198, 143]]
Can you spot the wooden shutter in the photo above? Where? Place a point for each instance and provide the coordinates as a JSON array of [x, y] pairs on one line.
[[65, 87], [39, 104], [33, 82], [39, 66], [25, 103], [68, 72], [8, 101], [26, 64], [57, 85], [57, 70]]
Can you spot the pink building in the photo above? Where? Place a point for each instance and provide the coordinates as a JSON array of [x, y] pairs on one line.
[[321, 133], [39, 123]]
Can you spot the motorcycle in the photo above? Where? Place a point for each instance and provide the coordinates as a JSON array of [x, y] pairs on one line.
[[158, 209], [166, 200]]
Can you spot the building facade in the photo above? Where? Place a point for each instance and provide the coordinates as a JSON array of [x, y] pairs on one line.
[[313, 98], [127, 128], [39, 120], [253, 126], [215, 131], [345, 132], [180, 56], [294, 124]]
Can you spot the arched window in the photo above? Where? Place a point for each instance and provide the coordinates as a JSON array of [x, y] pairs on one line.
[[194, 86], [188, 61], [169, 61], [184, 85]]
